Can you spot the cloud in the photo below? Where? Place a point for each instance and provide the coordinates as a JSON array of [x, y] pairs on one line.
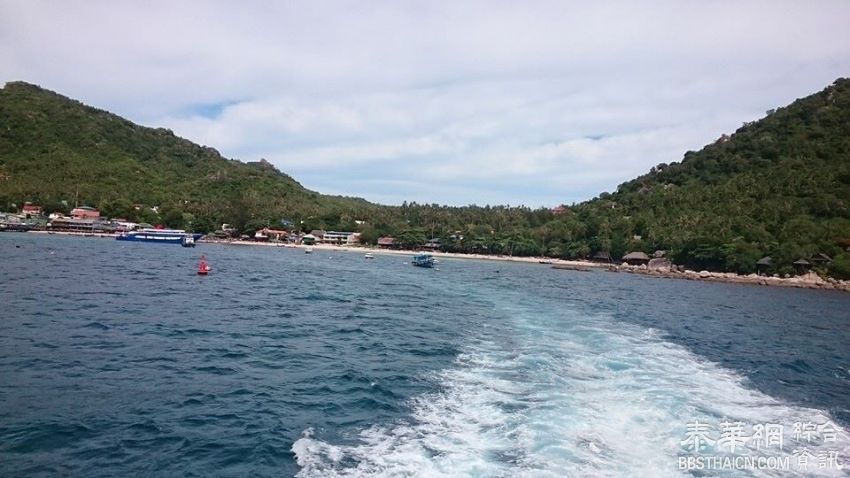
[[455, 102]]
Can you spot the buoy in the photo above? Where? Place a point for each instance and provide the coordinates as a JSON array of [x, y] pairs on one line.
[[203, 267]]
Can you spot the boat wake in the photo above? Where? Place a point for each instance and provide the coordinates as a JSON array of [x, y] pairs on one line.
[[568, 395]]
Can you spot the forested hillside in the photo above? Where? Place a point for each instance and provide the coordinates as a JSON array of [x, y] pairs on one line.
[[779, 186]]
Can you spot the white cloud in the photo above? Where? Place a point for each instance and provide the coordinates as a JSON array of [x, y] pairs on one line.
[[459, 102]]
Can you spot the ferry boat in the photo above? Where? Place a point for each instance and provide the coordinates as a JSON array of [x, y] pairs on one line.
[[423, 260], [163, 236]]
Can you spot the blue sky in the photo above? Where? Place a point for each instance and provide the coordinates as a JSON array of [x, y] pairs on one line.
[[534, 103]]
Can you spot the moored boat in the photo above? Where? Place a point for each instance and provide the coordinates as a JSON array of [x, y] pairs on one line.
[[368, 255], [163, 236], [423, 260]]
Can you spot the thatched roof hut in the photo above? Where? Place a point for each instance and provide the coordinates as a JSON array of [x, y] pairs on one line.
[[763, 264], [821, 258], [802, 265], [636, 258], [601, 256]]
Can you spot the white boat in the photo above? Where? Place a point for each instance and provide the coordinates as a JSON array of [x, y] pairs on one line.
[[309, 250], [368, 255]]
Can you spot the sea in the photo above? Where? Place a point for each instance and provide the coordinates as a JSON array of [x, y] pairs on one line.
[[117, 359]]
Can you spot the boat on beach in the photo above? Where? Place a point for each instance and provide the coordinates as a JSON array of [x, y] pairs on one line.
[[163, 236]]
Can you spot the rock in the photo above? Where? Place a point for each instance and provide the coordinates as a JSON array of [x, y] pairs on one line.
[[704, 274], [787, 276]]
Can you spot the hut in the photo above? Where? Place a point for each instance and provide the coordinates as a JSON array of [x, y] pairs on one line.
[[601, 256], [763, 264], [820, 259], [636, 258], [802, 266], [387, 242], [308, 240]]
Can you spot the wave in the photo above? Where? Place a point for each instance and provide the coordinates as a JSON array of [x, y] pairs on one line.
[[568, 395]]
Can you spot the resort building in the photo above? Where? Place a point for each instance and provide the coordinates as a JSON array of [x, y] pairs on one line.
[[334, 237], [601, 256], [30, 210], [636, 258], [72, 224], [85, 212], [387, 242], [763, 265], [272, 235]]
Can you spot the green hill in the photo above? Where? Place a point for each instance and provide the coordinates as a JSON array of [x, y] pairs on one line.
[[55, 149], [779, 186]]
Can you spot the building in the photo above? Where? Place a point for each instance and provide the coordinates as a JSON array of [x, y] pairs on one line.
[[433, 243], [308, 240], [72, 224], [820, 259], [763, 265], [601, 256], [387, 242], [334, 237], [273, 235], [85, 212], [636, 258], [802, 266], [30, 210]]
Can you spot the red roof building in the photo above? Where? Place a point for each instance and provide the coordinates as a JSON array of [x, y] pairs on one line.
[[85, 212], [31, 210]]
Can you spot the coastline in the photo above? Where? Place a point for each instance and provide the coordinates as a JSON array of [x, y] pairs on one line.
[[806, 281]]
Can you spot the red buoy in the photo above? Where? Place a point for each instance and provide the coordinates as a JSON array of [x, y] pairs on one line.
[[203, 267]]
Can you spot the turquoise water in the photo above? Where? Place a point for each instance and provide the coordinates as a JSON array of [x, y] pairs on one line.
[[117, 359]]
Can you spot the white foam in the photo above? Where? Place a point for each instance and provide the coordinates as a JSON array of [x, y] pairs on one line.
[[570, 396]]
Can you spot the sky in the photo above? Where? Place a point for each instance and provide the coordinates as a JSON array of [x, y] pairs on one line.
[[455, 102]]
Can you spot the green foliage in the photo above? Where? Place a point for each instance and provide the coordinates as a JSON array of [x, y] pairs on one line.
[[840, 266], [779, 186]]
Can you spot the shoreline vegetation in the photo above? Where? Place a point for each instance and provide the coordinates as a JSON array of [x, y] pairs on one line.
[[771, 198], [810, 280]]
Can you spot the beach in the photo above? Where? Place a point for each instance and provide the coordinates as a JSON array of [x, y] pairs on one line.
[[806, 281]]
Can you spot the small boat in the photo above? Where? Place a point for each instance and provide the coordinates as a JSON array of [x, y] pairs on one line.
[[309, 250], [368, 255], [203, 267], [423, 260], [188, 241]]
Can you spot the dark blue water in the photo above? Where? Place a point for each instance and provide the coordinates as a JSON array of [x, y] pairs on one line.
[[117, 359]]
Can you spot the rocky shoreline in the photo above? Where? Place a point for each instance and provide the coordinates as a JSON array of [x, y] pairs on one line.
[[810, 280]]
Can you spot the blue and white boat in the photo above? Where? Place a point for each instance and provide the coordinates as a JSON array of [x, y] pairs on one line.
[[423, 260], [163, 236]]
